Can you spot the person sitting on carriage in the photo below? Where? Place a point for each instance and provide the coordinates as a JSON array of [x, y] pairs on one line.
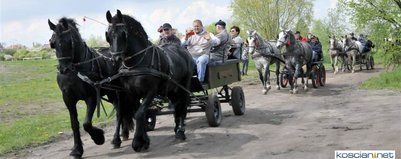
[[167, 36], [236, 43], [199, 42], [316, 48], [367, 44], [220, 49], [299, 37]]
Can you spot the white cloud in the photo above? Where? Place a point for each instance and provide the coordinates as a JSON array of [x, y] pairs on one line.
[[151, 15]]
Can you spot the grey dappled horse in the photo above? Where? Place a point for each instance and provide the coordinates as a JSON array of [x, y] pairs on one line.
[[263, 54], [336, 50], [297, 55], [352, 49]]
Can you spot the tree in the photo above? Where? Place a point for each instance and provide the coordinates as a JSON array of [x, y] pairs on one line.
[[96, 41], [337, 22], [268, 16], [381, 18]]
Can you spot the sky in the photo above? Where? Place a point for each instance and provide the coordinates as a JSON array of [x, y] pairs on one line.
[[25, 21]]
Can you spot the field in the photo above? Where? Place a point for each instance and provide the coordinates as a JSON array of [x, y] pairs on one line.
[[31, 107]]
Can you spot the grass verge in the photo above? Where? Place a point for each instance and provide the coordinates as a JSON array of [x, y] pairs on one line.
[[386, 80]]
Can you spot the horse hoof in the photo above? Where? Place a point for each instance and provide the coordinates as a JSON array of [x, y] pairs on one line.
[[139, 146], [264, 91], [77, 152], [278, 87], [98, 136], [295, 91], [305, 88], [116, 143], [180, 135], [291, 92]]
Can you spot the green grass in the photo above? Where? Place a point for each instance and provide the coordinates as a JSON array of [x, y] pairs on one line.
[[28, 82], [37, 129], [31, 106], [386, 80]]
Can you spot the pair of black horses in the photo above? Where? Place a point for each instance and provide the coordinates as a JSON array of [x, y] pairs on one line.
[[141, 69]]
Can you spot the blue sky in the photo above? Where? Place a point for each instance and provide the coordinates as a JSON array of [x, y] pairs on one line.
[[25, 21]]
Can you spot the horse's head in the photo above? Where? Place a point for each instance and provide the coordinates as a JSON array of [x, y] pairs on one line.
[[125, 35], [253, 41], [285, 38], [65, 39], [117, 35]]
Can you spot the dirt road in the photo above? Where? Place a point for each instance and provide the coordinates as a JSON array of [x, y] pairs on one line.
[[278, 125]]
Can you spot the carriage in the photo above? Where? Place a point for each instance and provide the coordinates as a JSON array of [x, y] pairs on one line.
[[362, 59], [318, 75], [218, 76]]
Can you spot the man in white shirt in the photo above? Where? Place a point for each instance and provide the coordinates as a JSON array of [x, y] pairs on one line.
[[199, 42]]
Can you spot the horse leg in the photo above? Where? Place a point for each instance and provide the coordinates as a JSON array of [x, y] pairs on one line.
[[141, 139], [96, 134], [307, 75], [296, 75], [335, 64], [264, 91], [277, 75], [77, 149], [180, 101], [353, 62], [124, 119], [267, 78]]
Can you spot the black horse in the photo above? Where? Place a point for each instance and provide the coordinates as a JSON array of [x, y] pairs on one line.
[[297, 54], [149, 71], [76, 59]]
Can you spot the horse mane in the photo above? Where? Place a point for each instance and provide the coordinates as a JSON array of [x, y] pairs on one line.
[[71, 25], [260, 39], [71, 22], [134, 27], [292, 37]]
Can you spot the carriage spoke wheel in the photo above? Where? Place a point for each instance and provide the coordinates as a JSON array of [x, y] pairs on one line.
[[213, 111], [315, 77], [322, 75], [238, 101]]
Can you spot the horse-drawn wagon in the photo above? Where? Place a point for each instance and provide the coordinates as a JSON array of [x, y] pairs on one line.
[[218, 76]]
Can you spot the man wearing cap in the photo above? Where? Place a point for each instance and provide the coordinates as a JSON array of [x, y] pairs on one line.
[[199, 42], [220, 51], [167, 36]]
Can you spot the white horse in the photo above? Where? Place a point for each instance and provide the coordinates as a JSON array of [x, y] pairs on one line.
[[353, 49], [263, 54], [336, 51]]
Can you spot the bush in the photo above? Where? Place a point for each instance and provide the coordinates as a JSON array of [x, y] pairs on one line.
[[9, 51], [2, 56], [20, 54]]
